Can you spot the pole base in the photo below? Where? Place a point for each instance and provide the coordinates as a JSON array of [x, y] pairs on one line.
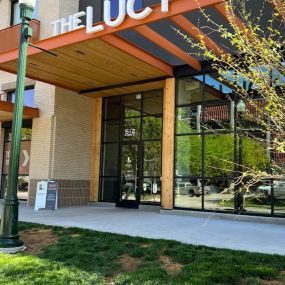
[[7, 242], [13, 250]]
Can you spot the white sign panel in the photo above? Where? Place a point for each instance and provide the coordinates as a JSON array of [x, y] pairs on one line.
[[41, 195], [126, 7], [47, 195]]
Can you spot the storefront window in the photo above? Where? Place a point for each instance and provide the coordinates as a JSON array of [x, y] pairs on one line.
[[219, 155], [24, 163], [218, 194], [152, 128], [138, 120], [188, 193], [188, 156], [218, 145], [204, 148]]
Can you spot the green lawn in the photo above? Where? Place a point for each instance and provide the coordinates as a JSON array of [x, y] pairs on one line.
[[90, 257]]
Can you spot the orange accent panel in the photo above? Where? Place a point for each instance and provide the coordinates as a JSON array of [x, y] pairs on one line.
[[196, 33], [159, 40], [10, 37], [175, 8], [279, 6], [223, 12], [137, 52], [28, 111]]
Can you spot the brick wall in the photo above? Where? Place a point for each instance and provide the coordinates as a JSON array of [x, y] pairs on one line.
[[72, 135]]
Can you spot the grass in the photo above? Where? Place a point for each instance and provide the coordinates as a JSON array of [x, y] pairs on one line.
[[90, 257]]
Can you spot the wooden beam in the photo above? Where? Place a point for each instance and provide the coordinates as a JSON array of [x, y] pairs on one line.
[[197, 34], [170, 47], [168, 144], [96, 150], [137, 52], [175, 8], [27, 112]]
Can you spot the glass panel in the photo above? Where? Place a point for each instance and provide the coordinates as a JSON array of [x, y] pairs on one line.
[[152, 158], [131, 129], [23, 186], [256, 199], [152, 128], [188, 155], [151, 190], [112, 108], [26, 134], [29, 97], [109, 189], [279, 197], [152, 102], [16, 13], [253, 151], [190, 90], [217, 195], [110, 159], [188, 119], [218, 117], [129, 168], [111, 131], [188, 193], [131, 105], [219, 155]]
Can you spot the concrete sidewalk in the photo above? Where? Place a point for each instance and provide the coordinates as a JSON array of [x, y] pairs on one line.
[[237, 235]]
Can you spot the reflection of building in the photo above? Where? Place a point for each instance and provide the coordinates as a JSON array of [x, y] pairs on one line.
[[132, 91]]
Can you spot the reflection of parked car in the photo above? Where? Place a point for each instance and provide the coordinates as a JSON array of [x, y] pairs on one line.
[[193, 190], [278, 187]]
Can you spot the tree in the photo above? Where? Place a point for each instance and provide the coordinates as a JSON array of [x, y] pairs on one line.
[[256, 72]]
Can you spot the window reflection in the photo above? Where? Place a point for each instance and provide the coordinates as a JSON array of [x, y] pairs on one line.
[[151, 190], [188, 193], [152, 158], [218, 194], [190, 90], [188, 156]]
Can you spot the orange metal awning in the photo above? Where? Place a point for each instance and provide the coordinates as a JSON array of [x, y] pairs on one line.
[[89, 63]]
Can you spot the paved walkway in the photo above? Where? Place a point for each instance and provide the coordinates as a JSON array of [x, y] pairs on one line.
[[257, 237]]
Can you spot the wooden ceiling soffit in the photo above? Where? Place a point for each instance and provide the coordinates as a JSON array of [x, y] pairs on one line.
[[170, 47], [80, 35], [137, 52], [197, 34]]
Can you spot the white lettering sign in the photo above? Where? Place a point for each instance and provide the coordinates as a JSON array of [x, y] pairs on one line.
[[126, 7], [130, 132]]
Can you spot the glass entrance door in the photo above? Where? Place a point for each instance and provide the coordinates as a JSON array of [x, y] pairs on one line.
[[130, 183]]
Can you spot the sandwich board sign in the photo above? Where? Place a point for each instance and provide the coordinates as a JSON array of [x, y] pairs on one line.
[[47, 195]]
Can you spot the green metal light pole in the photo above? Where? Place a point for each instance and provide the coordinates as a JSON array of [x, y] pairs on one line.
[[9, 236]]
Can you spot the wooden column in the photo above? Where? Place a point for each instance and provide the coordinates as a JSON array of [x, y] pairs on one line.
[[168, 143], [96, 150]]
